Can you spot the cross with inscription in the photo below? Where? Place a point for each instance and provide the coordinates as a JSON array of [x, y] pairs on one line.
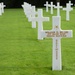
[[58, 8], [56, 34]]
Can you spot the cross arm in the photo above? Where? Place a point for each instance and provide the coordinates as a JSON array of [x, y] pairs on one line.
[[68, 9], [59, 34], [39, 19], [67, 33], [46, 4]]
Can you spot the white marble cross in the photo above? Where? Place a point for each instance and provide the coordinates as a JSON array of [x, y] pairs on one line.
[[27, 8], [30, 11], [40, 19], [24, 5], [0, 10], [70, 3], [33, 14], [58, 8], [56, 34], [68, 9], [47, 5], [51, 6], [2, 5]]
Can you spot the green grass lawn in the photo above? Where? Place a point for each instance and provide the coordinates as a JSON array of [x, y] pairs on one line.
[[22, 54]]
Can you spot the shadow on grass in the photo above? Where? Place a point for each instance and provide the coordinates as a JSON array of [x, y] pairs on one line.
[[68, 68], [2, 68]]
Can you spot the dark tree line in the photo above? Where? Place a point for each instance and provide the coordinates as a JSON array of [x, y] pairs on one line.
[[37, 3]]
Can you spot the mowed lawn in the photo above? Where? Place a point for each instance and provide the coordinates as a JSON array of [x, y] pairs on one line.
[[22, 54]]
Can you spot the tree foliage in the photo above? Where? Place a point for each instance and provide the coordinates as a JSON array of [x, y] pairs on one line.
[[37, 3]]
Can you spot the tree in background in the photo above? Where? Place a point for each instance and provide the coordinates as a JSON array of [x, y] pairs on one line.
[[57, 0], [37, 3]]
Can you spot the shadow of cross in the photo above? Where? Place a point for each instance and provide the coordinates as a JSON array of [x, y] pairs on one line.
[[56, 34]]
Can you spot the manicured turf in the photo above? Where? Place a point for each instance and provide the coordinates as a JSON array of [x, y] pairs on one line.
[[22, 54]]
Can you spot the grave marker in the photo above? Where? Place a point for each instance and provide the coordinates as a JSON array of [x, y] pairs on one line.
[[47, 5], [33, 14], [27, 8], [30, 11], [40, 19], [70, 3], [68, 9], [25, 5], [52, 6], [58, 8], [2, 7], [56, 34]]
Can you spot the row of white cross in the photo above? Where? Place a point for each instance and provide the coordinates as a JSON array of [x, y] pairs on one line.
[[30, 11], [58, 7], [2, 8], [56, 33]]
